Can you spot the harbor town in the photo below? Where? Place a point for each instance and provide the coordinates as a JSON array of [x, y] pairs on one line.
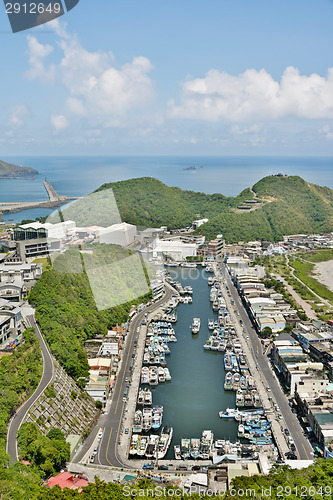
[[199, 389]]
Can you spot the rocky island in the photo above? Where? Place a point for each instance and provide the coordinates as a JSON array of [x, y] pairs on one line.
[[11, 171]]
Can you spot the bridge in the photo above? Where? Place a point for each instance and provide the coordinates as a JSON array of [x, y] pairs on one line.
[[54, 201]]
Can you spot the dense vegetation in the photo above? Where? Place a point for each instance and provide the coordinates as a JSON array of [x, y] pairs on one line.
[[66, 310], [292, 206], [148, 202], [314, 482], [20, 373], [48, 453]]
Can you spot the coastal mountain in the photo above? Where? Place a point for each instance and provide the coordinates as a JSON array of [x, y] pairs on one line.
[[277, 205], [9, 170]]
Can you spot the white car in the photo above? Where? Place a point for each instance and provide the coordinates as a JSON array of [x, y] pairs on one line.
[[100, 434]]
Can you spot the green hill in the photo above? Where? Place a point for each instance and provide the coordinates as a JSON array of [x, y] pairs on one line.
[[8, 170], [286, 205]]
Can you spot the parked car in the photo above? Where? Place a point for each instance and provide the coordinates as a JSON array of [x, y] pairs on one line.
[[126, 431], [148, 466], [163, 467], [287, 433], [196, 467]]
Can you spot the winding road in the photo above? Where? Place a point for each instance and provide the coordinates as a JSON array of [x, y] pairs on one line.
[[20, 415]]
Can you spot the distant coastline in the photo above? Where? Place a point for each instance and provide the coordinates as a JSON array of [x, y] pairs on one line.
[[11, 171]]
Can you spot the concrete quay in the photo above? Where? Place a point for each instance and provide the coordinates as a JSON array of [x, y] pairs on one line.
[[261, 384]]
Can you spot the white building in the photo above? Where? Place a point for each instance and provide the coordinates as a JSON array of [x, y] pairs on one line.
[[118, 234], [57, 231], [175, 249]]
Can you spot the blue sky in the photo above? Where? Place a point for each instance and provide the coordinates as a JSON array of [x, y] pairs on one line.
[[176, 77]]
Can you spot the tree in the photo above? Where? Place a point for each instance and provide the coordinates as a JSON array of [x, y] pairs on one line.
[[266, 332]]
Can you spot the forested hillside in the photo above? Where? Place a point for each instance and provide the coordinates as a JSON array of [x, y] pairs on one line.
[[289, 205], [66, 310]]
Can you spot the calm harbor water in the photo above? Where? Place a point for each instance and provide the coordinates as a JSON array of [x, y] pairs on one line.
[[78, 176], [195, 395]]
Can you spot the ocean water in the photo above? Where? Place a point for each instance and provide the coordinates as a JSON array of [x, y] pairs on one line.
[[194, 397], [78, 176]]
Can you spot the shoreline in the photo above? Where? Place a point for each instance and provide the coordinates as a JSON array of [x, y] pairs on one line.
[[323, 272]]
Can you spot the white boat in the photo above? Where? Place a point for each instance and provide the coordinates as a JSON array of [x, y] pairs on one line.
[[195, 325], [164, 442], [137, 424], [145, 375], [142, 446], [176, 449], [210, 324], [228, 413], [148, 397], [167, 374], [161, 375], [152, 446], [153, 376], [206, 444], [135, 442], [147, 419]]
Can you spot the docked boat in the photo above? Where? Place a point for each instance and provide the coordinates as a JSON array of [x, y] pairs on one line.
[[227, 361], [241, 430], [206, 444], [234, 363], [235, 381], [145, 375], [195, 325], [177, 452], [228, 413], [185, 448], [167, 375], [153, 376], [239, 398], [148, 397], [211, 280], [142, 446], [137, 424], [161, 375], [152, 446], [135, 443], [164, 442], [195, 448], [157, 416], [210, 324], [228, 381], [141, 397], [147, 419]]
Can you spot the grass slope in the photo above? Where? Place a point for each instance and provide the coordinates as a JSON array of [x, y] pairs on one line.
[[292, 206]]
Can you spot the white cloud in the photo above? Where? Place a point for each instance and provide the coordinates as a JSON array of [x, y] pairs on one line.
[[37, 53], [326, 130], [59, 122], [255, 95], [96, 87]]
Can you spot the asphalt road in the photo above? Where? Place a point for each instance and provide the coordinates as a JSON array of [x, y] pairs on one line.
[[303, 447], [20, 415], [111, 422]]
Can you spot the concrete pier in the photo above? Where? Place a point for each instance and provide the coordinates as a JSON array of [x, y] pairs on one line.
[[53, 202]]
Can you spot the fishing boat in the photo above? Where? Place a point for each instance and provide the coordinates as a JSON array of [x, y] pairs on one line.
[[161, 375], [137, 424], [147, 419], [206, 444], [215, 305], [167, 375], [164, 442], [239, 398], [153, 376], [234, 363], [145, 375], [228, 413], [135, 443], [228, 381], [235, 380], [210, 324], [177, 452], [195, 448], [152, 445], [148, 397], [141, 397], [195, 325], [185, 448], [211, 280], [241, 430], [157, 416], [142, 446], [227, 361]]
